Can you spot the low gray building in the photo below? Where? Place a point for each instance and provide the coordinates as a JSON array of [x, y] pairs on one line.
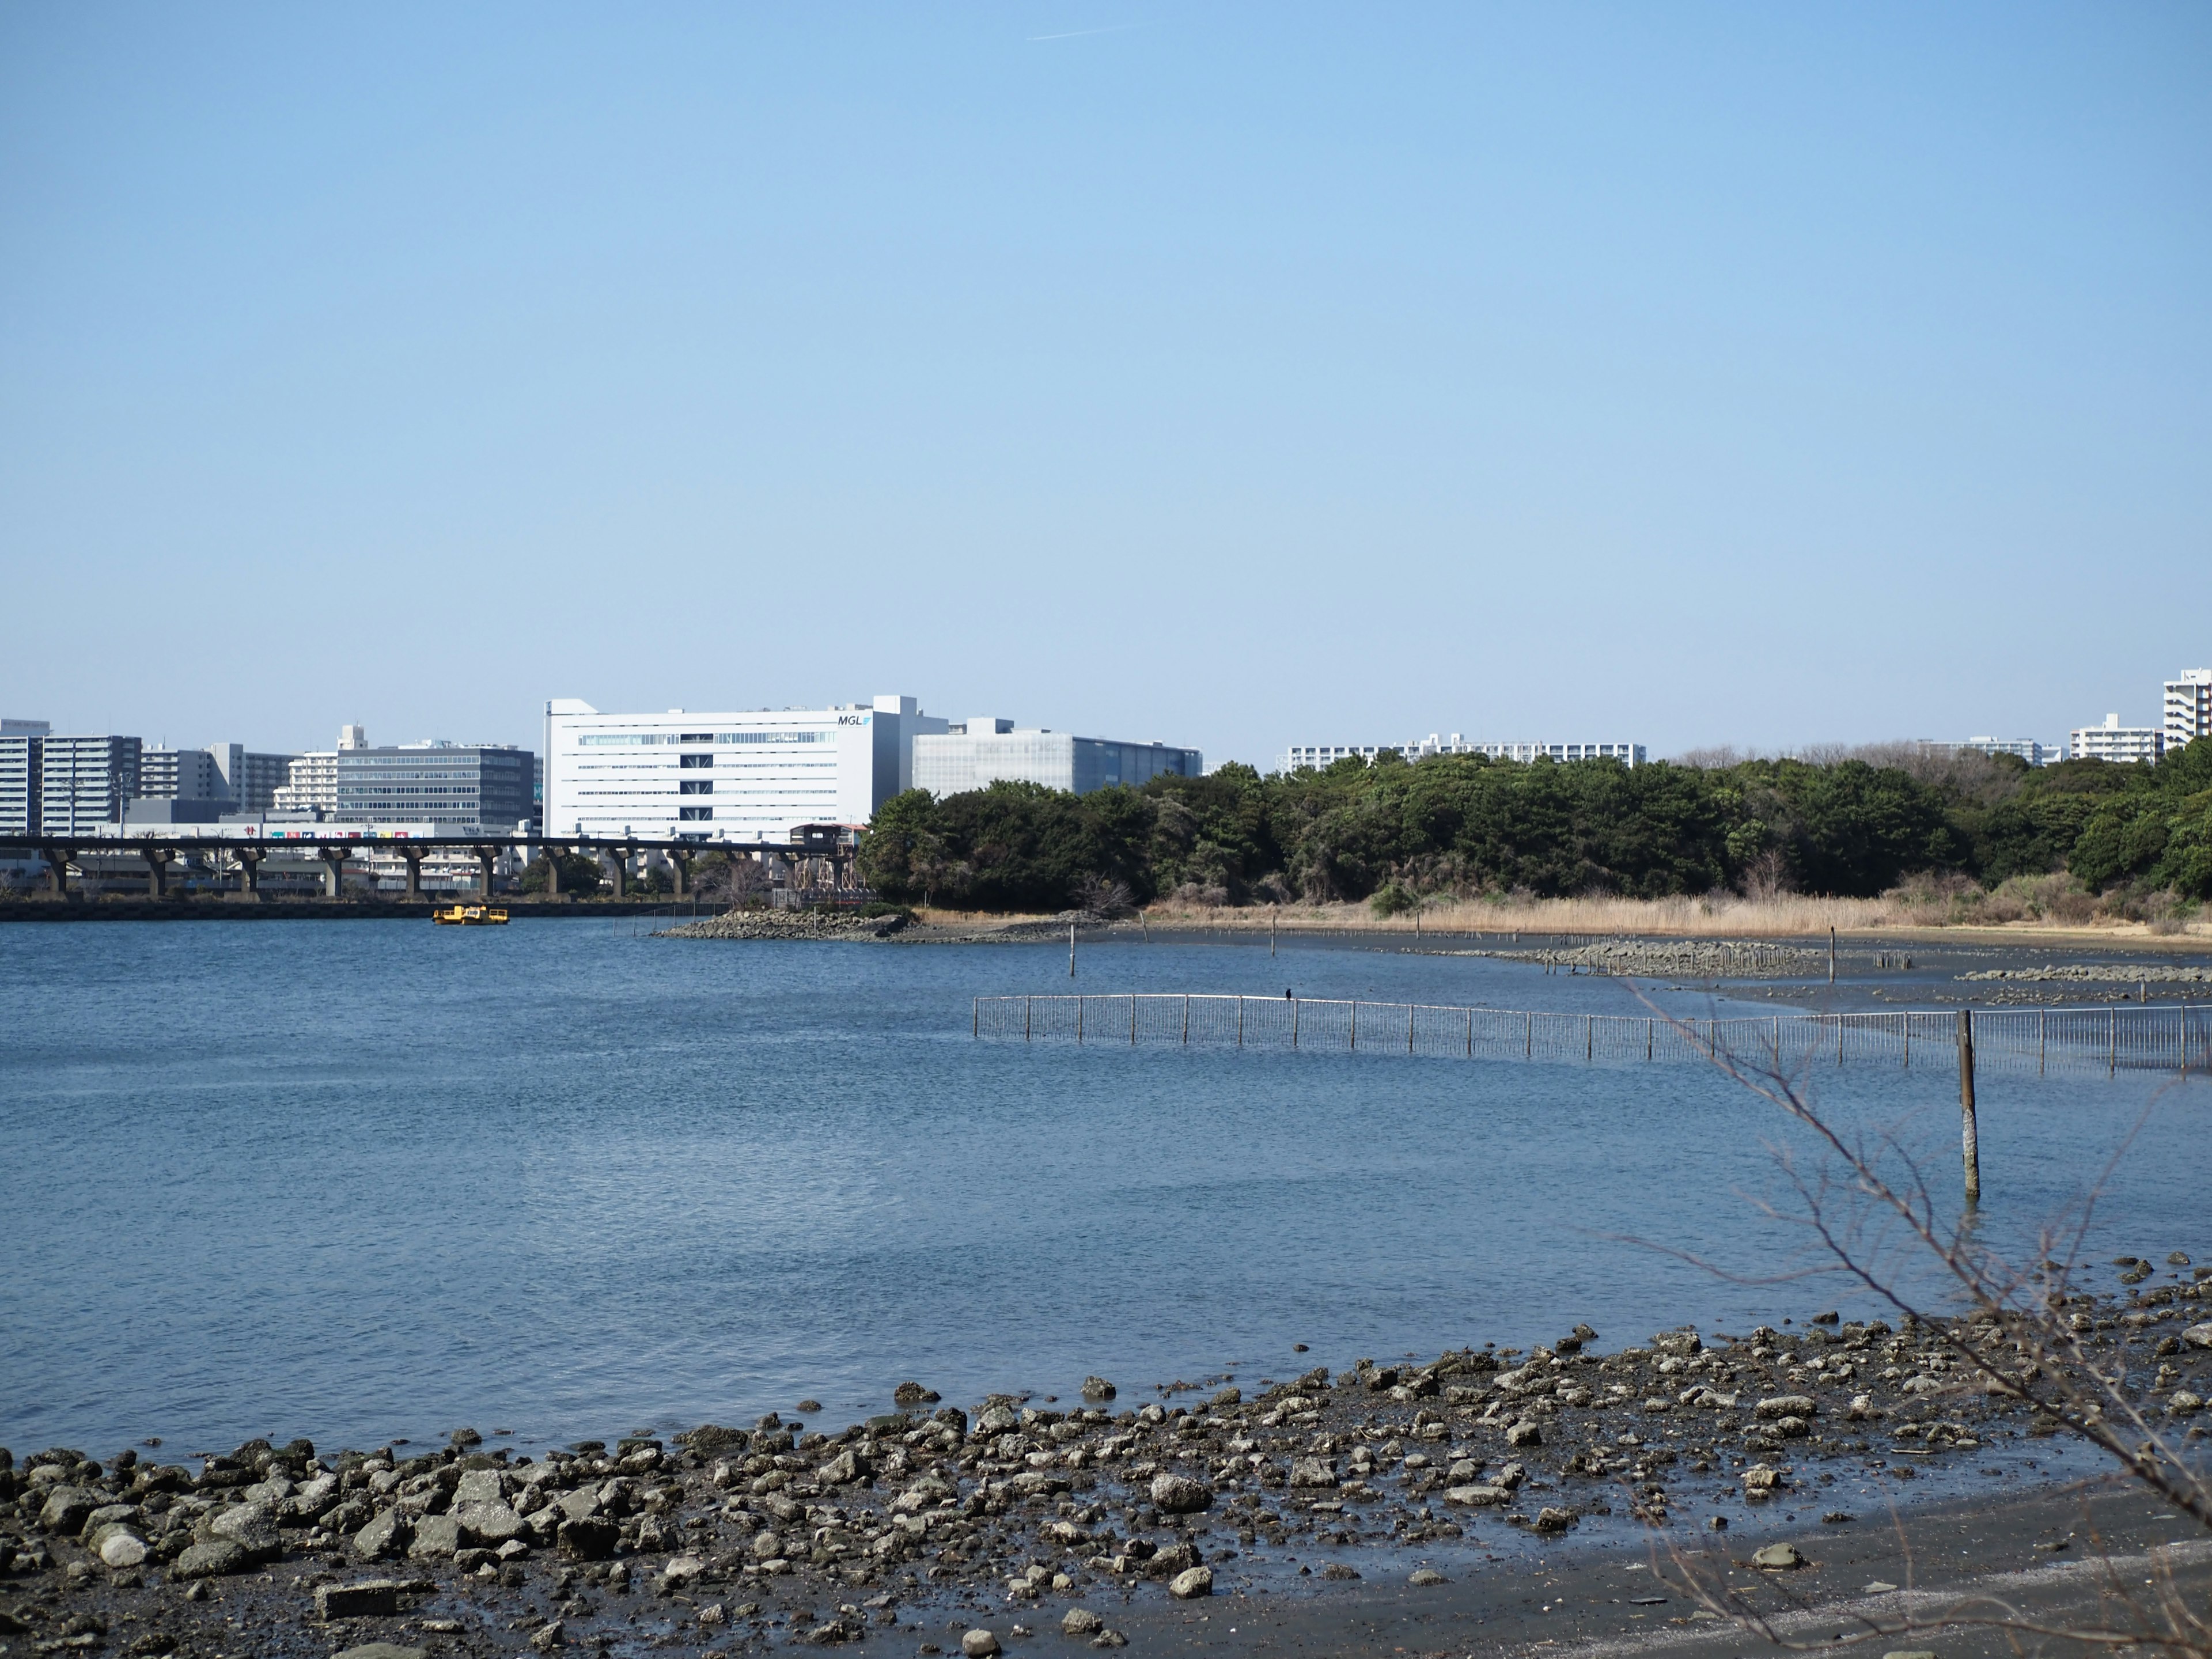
[[985, 750], [462, 786]]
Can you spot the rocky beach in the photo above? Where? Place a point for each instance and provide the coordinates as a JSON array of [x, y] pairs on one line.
[[938, 1528]]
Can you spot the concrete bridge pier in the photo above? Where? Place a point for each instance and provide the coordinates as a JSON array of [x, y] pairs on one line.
[[487, 861], [157, 870], [334, 859], [249, 873], [552, 854], [58, 863], [620, 858], [679, 873], [414, 856]]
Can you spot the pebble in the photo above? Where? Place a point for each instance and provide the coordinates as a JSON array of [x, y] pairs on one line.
[[978, 1644]]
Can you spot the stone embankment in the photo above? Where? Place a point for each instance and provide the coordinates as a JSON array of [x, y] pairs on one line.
[[747, 1537], [1676, 959], [787, 924]]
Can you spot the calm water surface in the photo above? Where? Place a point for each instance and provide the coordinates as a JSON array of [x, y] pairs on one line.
[[366, 1180]]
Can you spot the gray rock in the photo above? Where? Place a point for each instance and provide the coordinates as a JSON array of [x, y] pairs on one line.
[[682, 1570], [591, 1540], [2198, 1336], [488, 1522], [1679, 1343], [385, 1535], [978, 1644], [579, 1505], [1426, 1575], [1777, 1558], [1478, 1496], [381, 1650], [846, 1468], [368, 1598], [479, 1486], [1190, 1585], [120, 1548], [211, 1557], [68, 1508], [1081, 1621], [1097, 1388], [998, 1420], [1786, 1404], [1553, 1520], [437, 1537], [1178, 1494], [1312, 1472], [252, 1525], [1525, 1433]]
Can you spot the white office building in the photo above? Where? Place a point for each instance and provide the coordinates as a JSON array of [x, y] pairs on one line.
[[753, 775], [984, 749], [2114, 742], [2189, 706], [1320, 755]]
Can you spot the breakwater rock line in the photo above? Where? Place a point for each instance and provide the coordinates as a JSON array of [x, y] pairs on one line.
[[1674, 959], [787, 925], [775, 1532], [2100, 972]]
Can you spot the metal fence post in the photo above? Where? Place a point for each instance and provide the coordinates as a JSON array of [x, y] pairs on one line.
[[975, 1025], [1185, 1019], [1589, 1038], [1409, 1028], [1530, 1051], [1355, 1022], [1025, 1019], [1078, 1020]]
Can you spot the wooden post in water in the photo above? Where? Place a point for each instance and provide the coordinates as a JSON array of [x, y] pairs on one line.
[[1079, 1021], [975, 1022], [1832, 956], [1271, 930], [1070, 950], [1969, 1143]]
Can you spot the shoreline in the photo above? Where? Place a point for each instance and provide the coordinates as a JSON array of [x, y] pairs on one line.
[[1087, 1518]]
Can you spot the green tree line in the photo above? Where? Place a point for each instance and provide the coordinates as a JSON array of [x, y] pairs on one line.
[[1468, 825]]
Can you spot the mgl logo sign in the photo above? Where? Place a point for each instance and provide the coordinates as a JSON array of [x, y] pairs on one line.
[[853, 720]]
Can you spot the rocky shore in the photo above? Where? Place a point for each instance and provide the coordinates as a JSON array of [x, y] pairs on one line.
[[955, 1530]]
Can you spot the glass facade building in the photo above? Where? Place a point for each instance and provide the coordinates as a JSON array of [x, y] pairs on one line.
[[459, 787], [987, 750]]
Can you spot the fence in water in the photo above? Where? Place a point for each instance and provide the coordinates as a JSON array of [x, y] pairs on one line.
[[2035, 1041]]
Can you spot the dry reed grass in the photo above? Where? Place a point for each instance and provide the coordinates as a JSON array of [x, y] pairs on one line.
[[1788, 915]]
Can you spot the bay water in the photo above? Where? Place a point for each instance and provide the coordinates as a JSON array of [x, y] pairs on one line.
[[377, 1180]]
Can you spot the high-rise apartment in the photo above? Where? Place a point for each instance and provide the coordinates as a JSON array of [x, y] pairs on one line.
[[251, 780], [85, 783], [22, 747], [2189, 706], [2114, 742], [180, 774]]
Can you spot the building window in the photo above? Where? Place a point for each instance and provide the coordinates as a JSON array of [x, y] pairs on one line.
[[694, 763], [696, 786], [695, 736], [694, 814]]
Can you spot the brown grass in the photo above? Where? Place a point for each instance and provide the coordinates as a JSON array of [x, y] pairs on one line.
[[1788, 915]]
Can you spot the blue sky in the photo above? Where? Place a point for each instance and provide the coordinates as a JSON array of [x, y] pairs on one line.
[[1235, 376]]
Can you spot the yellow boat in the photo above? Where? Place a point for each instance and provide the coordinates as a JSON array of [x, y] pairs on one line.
[[469, 915]]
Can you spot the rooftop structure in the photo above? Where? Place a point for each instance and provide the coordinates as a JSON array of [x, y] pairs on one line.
[[985, 750], [750, 775]]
